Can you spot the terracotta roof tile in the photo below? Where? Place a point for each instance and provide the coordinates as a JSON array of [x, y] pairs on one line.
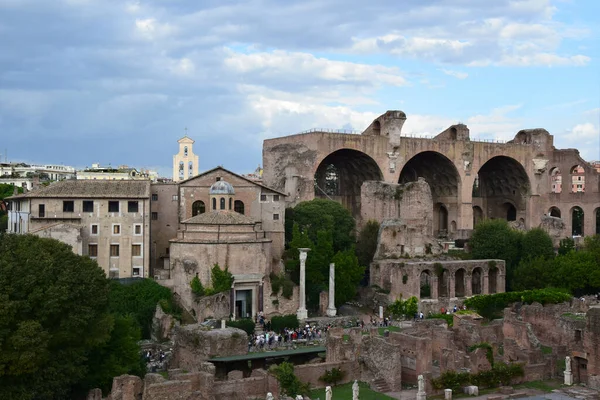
[[221, 218], [124, 189]]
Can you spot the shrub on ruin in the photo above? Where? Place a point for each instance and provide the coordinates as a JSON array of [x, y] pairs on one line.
[[289, 384], [279, 323], [492, 305], [447, 317], [401, 308], [221, 280], [245, 324], [500, 374], [366, 245], [197, 287], [565, 246], [333, 376]]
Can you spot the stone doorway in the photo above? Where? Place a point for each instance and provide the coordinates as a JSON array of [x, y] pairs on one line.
[[580, 370], [459, 283], [243, 303]]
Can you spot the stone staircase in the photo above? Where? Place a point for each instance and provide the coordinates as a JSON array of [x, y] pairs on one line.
[[258, 329], [380, 385]]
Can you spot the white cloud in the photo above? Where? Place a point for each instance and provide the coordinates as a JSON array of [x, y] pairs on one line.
[[455, 74], [280, 64]]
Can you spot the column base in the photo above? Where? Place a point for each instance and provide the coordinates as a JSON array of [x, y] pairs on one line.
[[331, 312], [302, 314], [568, 378], [421, 396]]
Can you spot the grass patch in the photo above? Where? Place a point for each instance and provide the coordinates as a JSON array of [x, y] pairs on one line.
[[546, 349], [345, 338], [164, 374], [579, 317], [544, 386], [344, 392], [389, 328]]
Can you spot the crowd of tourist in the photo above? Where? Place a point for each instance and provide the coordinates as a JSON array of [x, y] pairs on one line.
[[269, 340]]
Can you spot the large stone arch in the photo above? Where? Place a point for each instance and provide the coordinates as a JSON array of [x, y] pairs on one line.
[[577, 221], [554, 212], [459, 282], [444, 181], [502, 184], [340, 175]]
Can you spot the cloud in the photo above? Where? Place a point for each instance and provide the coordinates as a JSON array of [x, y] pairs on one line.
[[455, 74]]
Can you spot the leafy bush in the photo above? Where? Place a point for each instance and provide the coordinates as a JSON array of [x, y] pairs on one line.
[[401, 307], [489, 305], [245, 324], [501, 374], [448, 317], [283, 283], [289, 383], [333, 376], [221, 280], [197, 287], [290, 321]]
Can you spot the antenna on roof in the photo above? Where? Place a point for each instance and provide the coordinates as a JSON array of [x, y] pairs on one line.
[[185, 131]]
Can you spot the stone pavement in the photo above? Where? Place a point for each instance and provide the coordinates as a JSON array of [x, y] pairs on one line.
[[564, 393]]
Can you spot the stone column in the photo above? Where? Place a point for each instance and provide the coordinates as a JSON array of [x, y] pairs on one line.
[[500, 283], [421, 395], [261, 294], [469, 284], [302, 313], [434, 287], [452, 286], [447, 394], [232, 303], [331, 311], [485, 289]]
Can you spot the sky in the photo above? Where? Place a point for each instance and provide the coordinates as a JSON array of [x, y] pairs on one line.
[[118, 82]]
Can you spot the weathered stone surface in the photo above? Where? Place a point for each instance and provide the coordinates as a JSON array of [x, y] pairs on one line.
[[162, 325], [555, 227], [94, 394], [233, 375], [126, 387], [195, 343]]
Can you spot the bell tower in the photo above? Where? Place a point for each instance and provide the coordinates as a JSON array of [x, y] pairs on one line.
[[185, 162]]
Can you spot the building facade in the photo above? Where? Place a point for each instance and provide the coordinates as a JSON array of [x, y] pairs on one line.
[[109, 221]]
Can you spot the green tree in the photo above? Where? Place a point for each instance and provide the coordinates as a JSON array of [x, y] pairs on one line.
[[348, 274], [139, 299], [197, 287], [118, 356], [495, 239], [537, 243], [323, 215], [578, 272], [533, 273], [591, 244], [53, 314], [565, 246], [366, 245], [8, 189], [289, 384]]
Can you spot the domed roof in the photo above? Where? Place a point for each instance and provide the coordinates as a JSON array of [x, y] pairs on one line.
[[221, 187]]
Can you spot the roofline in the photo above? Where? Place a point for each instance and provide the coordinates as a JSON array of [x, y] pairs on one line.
[[236, 175]]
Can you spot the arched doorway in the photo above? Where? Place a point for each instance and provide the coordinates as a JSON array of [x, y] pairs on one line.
[[511, 212], [476, 285], [502, 184], [459, 283], [493, 280], [198, 207], [425, 285], [477, 215], [577, 221], [341, 174], [443, 179], [555, 180], [440, 226], [554, 212]]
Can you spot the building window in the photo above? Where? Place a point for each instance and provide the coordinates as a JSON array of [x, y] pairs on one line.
[[214, 205], [136, 250], [94, 229], [218, 178], [154, 215], [198, 207], [114, 250], [93, 250], [222, 202], [154, 197], [136, 271], [275, 197], [167, 250], [132, 206], [113, 206], [175, 197], [41, 210], [116, 229], [230, 202], [88, 206], [185, 151], [238, 206], [263, 197], [190, 169], [137, 229], [275, 217], [68, 206]]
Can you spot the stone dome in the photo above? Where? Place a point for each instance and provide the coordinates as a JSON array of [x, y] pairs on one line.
[[221, 187]]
